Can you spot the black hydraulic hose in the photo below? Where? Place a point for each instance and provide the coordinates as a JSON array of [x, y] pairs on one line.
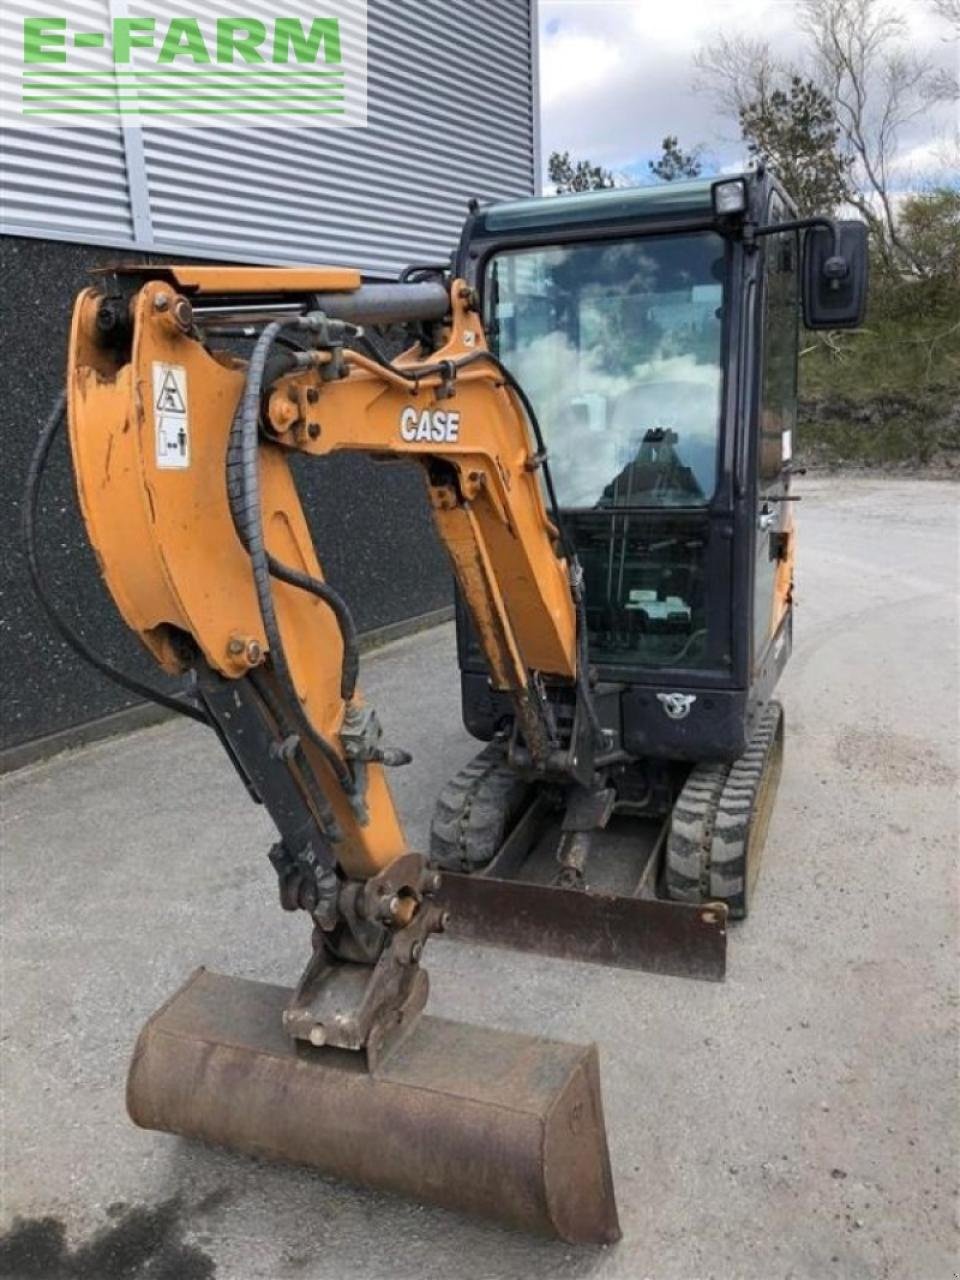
[[583, 658], [576, 585], [307, 775], [534, 421], [350, 668], [243, 489], [274, 367], [582, 681], [417, 372], [35, 474]]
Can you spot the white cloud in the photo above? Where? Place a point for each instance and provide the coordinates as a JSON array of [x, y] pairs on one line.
[[617, 76], [575, 65]]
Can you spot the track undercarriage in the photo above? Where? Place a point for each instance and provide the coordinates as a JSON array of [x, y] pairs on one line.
[[629, 874]]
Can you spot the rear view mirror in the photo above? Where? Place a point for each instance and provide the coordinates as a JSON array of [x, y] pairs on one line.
[[835, 276]]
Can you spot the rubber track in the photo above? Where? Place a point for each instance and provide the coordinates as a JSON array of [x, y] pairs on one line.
[[691, 833], [737, 812], [706, 857], [473, 809]]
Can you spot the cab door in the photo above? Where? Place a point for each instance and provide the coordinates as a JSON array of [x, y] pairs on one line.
[[776, 426]]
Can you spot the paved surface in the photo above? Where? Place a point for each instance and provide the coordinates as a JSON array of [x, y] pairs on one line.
[[798, 1121]]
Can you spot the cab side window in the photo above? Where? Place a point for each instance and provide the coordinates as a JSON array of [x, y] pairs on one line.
[[778, 405]]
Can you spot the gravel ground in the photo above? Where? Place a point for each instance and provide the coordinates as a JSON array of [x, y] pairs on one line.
[[799, 1120]]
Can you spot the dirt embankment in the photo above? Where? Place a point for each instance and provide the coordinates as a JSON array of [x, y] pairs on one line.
[[916, 431]]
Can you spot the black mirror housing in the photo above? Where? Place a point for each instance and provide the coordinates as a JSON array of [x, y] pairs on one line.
[[835, 276]]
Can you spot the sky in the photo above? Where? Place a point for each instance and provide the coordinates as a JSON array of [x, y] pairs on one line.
[[616, 76]]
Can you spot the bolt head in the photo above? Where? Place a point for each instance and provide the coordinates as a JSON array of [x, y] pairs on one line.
[[254, 652], [318, 1036], [416, 951], [183, 314], [235, 646], [161, 302], [389, 907], [283, 413]]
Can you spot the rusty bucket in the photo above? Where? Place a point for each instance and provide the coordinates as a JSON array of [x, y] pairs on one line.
[[487, 1122]]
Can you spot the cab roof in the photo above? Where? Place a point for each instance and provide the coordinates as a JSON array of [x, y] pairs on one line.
[[686, 199]]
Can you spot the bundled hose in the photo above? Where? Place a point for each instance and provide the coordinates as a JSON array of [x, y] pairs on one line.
[[276, 364], [38, 464], [350, 668], [576, 572], [583, 658], [243, 491]]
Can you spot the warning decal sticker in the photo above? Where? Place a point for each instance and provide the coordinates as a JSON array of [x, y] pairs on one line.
[[170, 416]]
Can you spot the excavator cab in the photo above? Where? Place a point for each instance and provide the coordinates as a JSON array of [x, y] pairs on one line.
[[656, 332]]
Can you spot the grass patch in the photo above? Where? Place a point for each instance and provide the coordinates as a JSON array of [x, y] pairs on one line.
[[888, 395]]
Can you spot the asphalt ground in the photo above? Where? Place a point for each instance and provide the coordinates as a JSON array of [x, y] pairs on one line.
[[799, 1120]]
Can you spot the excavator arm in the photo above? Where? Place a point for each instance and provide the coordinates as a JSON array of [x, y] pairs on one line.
[[181, 453]]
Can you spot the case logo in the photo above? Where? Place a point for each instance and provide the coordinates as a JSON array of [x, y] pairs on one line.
[[438, 426]]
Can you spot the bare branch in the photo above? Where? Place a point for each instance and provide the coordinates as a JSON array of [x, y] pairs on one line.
[[878, 85], [949, 11], [738, 71]]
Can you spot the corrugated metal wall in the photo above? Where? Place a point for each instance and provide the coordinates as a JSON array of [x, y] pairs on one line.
[[64, 182], [451, 114]]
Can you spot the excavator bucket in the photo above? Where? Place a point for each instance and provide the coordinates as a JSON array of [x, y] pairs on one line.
[[488, 1122]]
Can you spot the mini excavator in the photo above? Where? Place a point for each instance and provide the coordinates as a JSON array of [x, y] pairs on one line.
[[599, 391]]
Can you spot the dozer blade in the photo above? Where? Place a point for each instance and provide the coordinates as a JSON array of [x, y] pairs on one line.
[[616, 921], [487, 1122], [674, 938]]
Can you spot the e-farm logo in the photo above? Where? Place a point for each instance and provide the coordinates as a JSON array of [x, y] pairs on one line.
[[153, 66]]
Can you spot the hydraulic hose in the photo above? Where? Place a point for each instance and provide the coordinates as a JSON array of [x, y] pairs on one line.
[[278, 713], [243, 489], [35, 474], [583, 658], [350, 668], [276, 364], [417, 372], [582, 681]]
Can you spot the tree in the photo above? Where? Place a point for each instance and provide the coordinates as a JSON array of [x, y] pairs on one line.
[[674, 162], [930, 225], [738, 70], [877, 83], [860, 57], [580, 175], [797, 131]]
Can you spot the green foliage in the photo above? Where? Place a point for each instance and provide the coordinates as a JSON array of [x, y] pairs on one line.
[[929, 229], [797, 132], [890, 393], [675, 162], [576, 175]]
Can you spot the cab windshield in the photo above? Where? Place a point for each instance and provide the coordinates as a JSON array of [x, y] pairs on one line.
[[619, 346]]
